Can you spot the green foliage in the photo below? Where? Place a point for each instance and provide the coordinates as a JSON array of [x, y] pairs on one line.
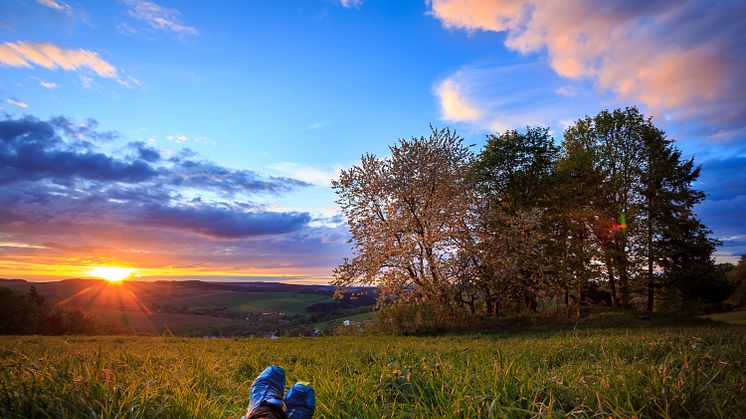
[[22, 314], [737, 278], [19, 314], [662, 372]]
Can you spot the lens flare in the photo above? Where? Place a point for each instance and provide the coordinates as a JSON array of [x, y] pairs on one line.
[[111, 273]]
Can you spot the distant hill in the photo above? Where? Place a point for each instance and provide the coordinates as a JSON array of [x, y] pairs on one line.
[[189, 305]]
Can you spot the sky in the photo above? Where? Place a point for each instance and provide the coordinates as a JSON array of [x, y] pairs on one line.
[[198, 140]]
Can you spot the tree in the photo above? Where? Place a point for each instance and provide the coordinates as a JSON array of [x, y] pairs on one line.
[[671, 230], [617, 140], [580, 229], [18, 313], [410, 216], [737, 277], [514, 180]]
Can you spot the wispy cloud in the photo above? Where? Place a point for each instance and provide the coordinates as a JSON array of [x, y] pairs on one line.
[[313, 175], [453, 105], [497, 96], [51, 56], [567, 90], [14, 101], [178, 138], [351, 3], [157, 18], [56, 5], [678, 57], [317, 125], [48, 84]]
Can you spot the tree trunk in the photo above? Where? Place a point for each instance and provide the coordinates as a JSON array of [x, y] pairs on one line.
[[651, 290], [612, 281], [623, 278], [579, 299]]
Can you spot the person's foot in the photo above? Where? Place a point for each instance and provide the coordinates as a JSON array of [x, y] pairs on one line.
[[300, 401], [267, 389]]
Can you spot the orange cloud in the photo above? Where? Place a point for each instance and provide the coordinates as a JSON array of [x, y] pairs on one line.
[[51, 56], [670, 55], [454, 106]]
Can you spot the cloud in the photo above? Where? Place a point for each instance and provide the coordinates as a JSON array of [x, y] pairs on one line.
[[51, 56], [179, 138], [724, 178], [56, 5], [31, 150], [567, 91], [500, 95], [221, 222], [14, 101], [351, 3], [317, 125], [681, 57], [48, 84], [309, 174], [205, 175], [157, 18], [52, 173], [453, 106]]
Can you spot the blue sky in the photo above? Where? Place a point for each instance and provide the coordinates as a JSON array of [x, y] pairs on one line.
[[278, 95]]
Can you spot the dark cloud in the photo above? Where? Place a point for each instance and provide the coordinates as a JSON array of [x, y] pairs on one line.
[[205, 175], [30, 149], [223, 222], [145, 152], [724, 182], [82, 131], [724, 178], [51, 174]]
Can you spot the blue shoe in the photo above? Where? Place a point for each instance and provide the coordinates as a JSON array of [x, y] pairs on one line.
[[267, 389], [300, 401]]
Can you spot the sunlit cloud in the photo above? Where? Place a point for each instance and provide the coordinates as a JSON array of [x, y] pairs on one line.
[[56, 5], [497, 96], [16, 102], [51, 56], [677, 57], [453, 105], [157, 18]]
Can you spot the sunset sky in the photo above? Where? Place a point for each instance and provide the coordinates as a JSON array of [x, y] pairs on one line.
[[198, 139]]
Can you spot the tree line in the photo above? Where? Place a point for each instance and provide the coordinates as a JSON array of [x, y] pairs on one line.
[[32, 314], [608, 212]]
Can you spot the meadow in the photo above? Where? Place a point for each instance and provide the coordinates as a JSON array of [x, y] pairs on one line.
[[693, 371]]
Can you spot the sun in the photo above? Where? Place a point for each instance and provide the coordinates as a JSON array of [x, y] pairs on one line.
[[111, 273]]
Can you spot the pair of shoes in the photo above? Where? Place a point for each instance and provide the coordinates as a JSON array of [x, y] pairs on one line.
[[267, 389]]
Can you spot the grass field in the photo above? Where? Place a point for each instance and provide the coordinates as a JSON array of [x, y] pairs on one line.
[[732, 317], [658, 372], [338, 321]]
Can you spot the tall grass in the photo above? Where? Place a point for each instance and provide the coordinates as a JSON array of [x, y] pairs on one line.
[[667, 372]]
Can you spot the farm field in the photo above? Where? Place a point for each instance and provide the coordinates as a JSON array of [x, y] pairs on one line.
[[150, 323], [286, 302], [656, 372]]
